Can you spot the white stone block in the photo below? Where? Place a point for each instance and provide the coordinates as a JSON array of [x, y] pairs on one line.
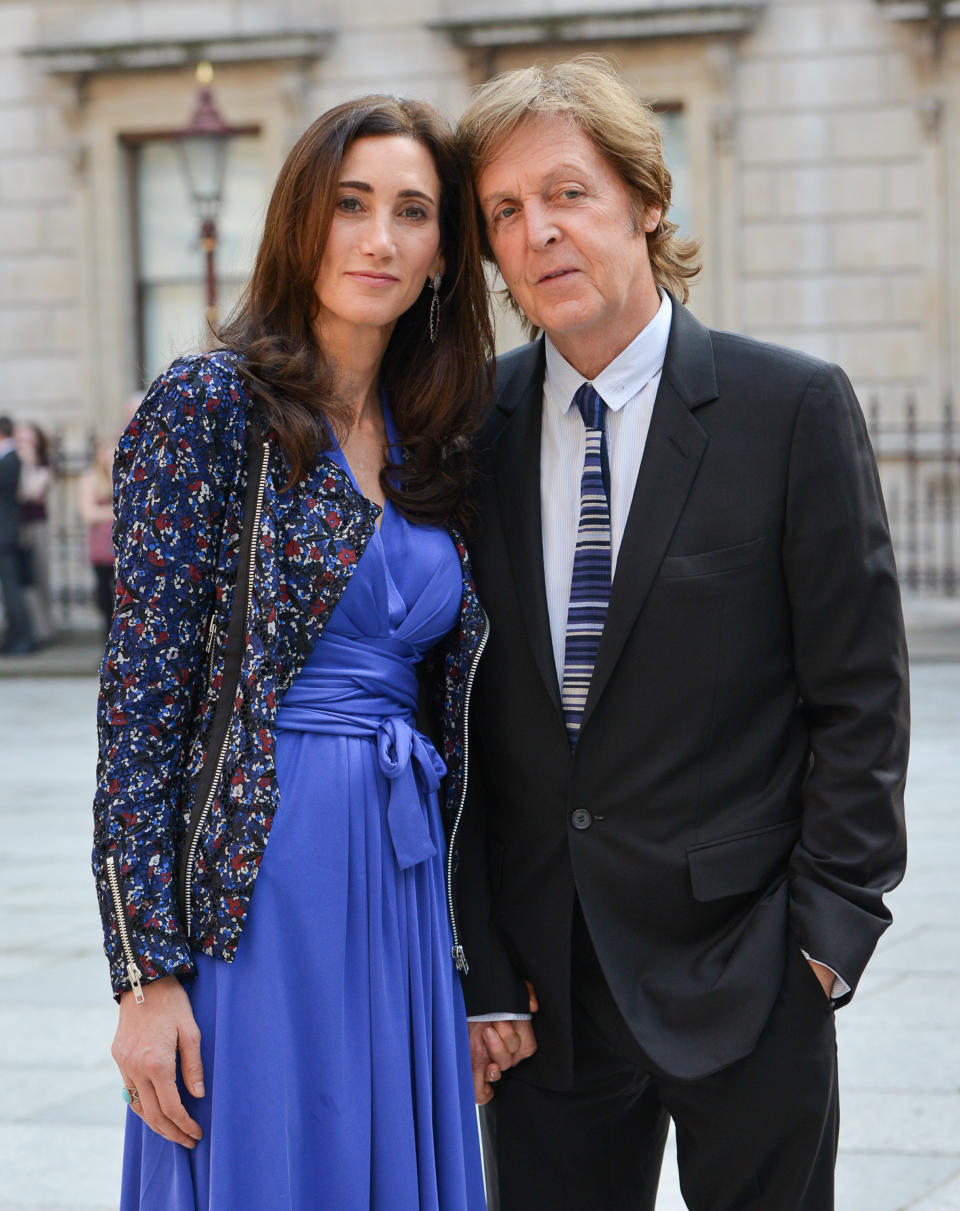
[[831, 300], [756, 84], [24, 331], [787, 29], [20, 127], [860, 26], [784, 247], [834, 189], [828, 80], [63, 228], [39, 279], [45, 378], [759, 192], [882, 133], [185, 18], [762, 302], [893, 353], [910, 297], [21, 229], [876, 243], [905, 186], [903, 83], [19, 80], [103, 23], [783, 138], [43, 177], [18, 25]]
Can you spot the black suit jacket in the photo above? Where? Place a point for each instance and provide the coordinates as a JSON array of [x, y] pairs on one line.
[[9, 504], [744, 744]]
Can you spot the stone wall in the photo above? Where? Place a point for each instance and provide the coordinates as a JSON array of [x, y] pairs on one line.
[[824, 144]]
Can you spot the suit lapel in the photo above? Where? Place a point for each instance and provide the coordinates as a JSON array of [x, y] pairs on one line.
[[517, 471], [675, 445]]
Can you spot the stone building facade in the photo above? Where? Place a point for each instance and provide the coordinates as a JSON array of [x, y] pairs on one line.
[[815, 144]]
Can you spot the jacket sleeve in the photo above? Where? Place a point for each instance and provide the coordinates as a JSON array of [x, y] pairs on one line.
[[175, 466], [492, 985], [851, 662]]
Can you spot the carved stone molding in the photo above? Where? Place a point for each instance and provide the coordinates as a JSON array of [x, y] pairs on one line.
[[83, 58], [497, 24], [919, 10]]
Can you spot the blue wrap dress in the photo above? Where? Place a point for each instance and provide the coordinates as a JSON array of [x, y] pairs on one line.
[[335, 1047]]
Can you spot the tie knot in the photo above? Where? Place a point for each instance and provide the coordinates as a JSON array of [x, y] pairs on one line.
[[591, 406]]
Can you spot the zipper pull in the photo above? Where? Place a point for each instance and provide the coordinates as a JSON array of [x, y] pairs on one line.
[[460, 959], [133, 971]]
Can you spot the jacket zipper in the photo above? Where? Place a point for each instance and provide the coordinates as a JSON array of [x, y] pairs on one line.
[[457, 951], [194, 839], [134, 973]]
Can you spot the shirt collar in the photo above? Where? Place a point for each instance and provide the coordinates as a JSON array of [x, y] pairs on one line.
[[627, 374]]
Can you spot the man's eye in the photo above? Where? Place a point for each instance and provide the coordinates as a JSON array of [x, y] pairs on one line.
[[505, 212], [570, 195]]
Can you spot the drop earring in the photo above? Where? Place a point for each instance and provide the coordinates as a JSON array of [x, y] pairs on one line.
[[434, 322]]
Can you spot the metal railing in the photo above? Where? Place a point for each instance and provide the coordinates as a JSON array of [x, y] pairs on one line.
[[919, 461]]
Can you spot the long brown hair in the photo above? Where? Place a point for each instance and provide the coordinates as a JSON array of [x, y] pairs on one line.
[[437, 390]]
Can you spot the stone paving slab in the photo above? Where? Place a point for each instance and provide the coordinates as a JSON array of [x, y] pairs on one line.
[[61, 1117]]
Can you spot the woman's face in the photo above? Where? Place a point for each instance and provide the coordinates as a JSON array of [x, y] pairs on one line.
[[384, 240]]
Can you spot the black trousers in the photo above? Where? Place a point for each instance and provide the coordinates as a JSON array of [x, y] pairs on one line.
[[19, 628], [760, 1135]]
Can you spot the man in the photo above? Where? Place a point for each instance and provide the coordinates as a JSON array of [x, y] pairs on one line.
[[689, 727], [19, 636]]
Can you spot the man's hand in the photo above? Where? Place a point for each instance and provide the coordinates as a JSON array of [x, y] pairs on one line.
[[824, 975], [496, 1046]]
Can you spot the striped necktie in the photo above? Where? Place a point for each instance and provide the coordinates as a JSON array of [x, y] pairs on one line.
[[590, 587]]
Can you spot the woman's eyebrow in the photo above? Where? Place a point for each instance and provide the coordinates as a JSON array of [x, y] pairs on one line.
[[416, 193], [365, 187]]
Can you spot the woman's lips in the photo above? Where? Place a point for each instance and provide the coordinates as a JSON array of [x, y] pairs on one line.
[[373, 279]]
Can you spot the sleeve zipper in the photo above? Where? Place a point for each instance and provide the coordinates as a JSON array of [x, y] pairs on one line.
[[134, 973], [457, 951]]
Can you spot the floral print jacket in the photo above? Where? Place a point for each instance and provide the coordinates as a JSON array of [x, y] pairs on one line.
[[224, 582]]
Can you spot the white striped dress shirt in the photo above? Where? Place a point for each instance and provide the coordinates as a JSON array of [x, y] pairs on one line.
[[628, 386]]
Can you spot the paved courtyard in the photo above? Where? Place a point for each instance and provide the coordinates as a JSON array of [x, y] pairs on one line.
[[60, 1109]]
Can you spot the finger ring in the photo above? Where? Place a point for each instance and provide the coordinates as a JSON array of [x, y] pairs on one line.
[[130, 1095]]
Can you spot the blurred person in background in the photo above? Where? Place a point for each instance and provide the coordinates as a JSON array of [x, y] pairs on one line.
[[36, 475], [287, 558], [95, 498], [19, 638]]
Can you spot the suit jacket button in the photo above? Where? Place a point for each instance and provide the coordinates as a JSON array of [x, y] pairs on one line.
[[581, 818]]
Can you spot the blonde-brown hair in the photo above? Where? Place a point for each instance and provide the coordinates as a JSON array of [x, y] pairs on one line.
[[588, 91]]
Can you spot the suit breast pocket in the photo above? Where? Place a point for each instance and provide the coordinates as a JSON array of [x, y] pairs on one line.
[[745, 862], [711, 563]]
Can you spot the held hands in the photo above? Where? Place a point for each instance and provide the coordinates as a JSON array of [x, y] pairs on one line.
[[145, 1050], [496, 1046]]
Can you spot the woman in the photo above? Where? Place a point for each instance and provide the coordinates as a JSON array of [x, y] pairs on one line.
[[283, 566], [36, 476], [95, 499]]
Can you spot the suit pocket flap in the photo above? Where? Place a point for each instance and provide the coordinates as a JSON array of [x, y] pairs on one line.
[[707, 563], [733, 866]]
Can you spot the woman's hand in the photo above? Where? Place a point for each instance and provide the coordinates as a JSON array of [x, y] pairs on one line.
[[145, 1050]]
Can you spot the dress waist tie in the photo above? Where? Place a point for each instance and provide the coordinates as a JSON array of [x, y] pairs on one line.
[[368, 688]]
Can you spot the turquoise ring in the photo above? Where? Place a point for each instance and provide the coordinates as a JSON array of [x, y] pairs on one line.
[[129, 1095]]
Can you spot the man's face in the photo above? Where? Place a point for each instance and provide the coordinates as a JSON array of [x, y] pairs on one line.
[[563, 228]]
